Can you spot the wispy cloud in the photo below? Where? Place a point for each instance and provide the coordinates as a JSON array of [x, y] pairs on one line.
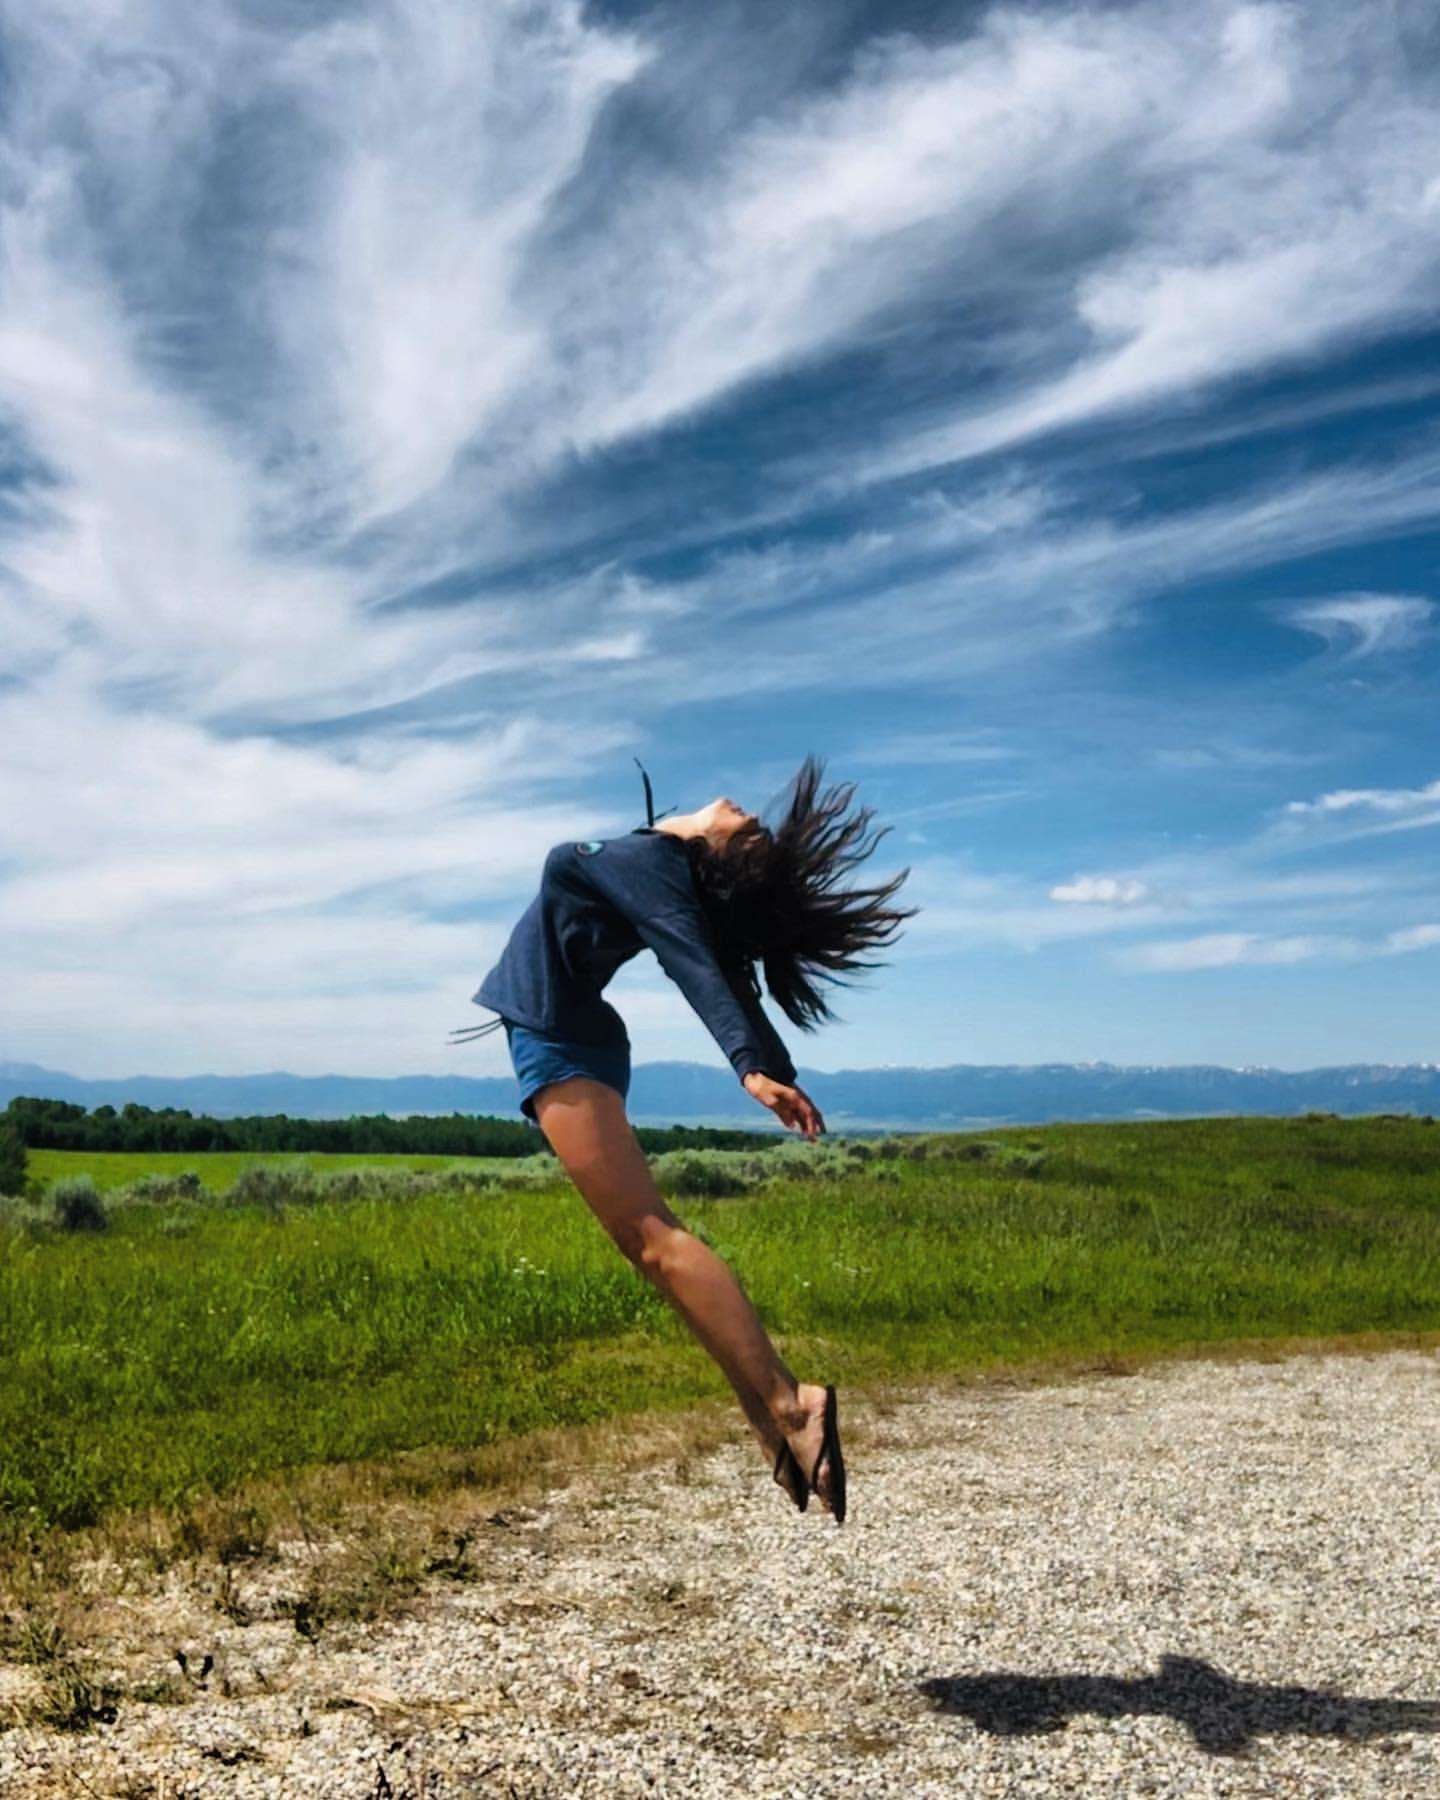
[[1367, 812], [1226, 949], [1223, 949], [1404, 801], [450, 133], [1366, 624], [1333, 238], [961, 608], [929, 749]]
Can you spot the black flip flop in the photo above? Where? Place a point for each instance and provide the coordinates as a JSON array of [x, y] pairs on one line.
[[831, 1450], [791, 1476]]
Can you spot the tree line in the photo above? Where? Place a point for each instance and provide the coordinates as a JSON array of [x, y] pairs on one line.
[[63, 1125]]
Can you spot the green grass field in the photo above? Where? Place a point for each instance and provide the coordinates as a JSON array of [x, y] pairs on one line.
[[218, 1168], [189, 1348]]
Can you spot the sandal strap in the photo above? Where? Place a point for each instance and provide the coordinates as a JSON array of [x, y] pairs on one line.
[[785, 1456], [830, 1449]]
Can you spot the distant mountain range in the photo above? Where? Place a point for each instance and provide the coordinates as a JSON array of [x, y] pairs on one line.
[[664, 1093]]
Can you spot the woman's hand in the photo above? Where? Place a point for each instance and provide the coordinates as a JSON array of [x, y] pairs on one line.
[[792, 1105]]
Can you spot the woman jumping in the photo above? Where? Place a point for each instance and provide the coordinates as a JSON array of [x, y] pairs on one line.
[[711, 893]]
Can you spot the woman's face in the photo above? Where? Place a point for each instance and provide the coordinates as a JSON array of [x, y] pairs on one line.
[[722, 819]]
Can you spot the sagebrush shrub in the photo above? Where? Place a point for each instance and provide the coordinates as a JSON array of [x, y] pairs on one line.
[[263, 1185], [694, 1175], [162, 1190], [275, 1187], [77, 1205]]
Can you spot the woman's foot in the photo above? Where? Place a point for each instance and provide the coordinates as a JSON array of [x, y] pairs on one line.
[[805, 1433]]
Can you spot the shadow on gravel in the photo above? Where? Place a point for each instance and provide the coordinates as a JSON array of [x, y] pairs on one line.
[[1224, 1716]]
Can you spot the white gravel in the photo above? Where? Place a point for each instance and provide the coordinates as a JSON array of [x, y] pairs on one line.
[[1210, 1578]]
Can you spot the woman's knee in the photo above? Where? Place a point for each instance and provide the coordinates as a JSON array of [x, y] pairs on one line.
[[658, 1245], [648, 1236]]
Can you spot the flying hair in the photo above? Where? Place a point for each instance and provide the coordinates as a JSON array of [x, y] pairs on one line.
[[772, 896]]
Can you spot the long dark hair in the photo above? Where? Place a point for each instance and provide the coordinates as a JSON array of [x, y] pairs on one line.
[[771, 897]]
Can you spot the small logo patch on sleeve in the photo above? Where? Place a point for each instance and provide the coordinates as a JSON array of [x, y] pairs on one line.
[[591, 847]]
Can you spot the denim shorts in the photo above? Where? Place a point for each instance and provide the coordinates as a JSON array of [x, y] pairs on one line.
[[541, 1058]]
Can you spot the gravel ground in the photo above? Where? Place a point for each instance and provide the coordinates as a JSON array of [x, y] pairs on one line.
[[1208, 1578]]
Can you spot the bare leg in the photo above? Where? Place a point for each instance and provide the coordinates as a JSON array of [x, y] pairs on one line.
[[585, 1124]]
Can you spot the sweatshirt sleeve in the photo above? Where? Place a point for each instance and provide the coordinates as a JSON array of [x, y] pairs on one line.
[[777, 1063], [683, 949], [670, 920]]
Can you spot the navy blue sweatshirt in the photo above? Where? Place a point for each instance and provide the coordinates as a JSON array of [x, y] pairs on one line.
[[601, 903]]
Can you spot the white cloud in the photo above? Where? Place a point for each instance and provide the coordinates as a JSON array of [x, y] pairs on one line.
[[1382, 800], [1235, 754], [1202, 240], [453, 130], [240, 902], [1249, 238], [956, 806], [1365, 624], [166, 624], [923, 600], [1226, 949], [1101, 890], [672, 288], [1412, 937], [1396, 809], [144, 565], [929, 749], [1229, 881], [1173, 433]]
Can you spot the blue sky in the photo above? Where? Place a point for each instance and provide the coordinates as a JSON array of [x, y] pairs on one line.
[[414, 411]]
